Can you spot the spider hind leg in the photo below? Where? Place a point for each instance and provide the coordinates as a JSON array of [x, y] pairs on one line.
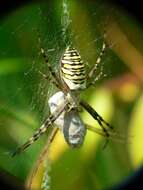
[[103, 124]]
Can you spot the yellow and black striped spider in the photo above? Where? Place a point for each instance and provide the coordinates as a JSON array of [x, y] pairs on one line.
[[64, 104]]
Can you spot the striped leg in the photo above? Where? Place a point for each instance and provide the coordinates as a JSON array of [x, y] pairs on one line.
[[42, 159], [42, 129], [91, 75], [46, 59], [104, 125], [49, 79], [113, 135]]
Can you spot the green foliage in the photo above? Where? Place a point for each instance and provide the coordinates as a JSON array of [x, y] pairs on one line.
[[24, 93]]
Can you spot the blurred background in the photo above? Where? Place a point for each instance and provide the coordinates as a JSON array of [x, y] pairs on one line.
[[117, 96]]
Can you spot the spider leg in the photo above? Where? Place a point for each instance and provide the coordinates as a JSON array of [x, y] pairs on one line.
[[113, 135], [91, 74], [42, 129], [53, 74], [100, 132], [46, 59], [100, 75], [104, 125], [47, 77], [43, 156]]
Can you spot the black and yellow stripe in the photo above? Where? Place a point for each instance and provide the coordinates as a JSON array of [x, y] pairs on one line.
[[73, 70], [40, 131]]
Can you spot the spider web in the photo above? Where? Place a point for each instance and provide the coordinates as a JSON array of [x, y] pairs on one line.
[[54, 40], [24, 93]]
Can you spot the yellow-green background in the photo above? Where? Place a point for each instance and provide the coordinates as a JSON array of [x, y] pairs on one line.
[[117, 97]]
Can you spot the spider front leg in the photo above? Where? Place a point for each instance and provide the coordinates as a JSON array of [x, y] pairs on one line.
[[42, 129], [104, 125], [56, 79], [91, 79]]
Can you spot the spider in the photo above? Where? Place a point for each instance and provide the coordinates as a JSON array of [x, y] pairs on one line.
[[64, 105]]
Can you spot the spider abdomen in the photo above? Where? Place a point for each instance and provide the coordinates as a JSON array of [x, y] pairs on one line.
[[73, 70], [69, 122]]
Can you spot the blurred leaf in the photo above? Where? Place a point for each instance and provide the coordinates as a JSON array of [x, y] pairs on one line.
[[13, 65], [136, 132]]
